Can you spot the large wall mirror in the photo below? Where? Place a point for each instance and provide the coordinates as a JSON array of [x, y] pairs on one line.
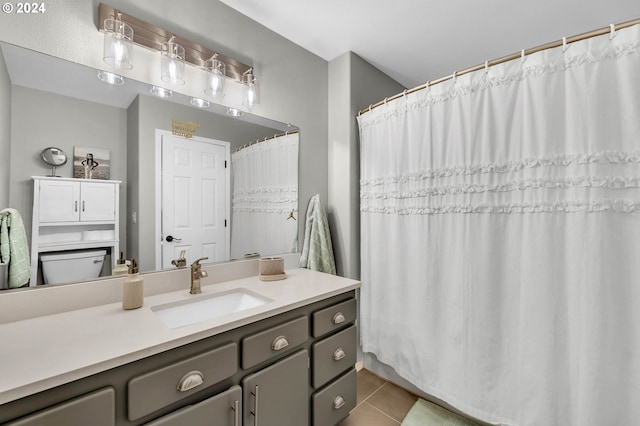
[[62, 104]]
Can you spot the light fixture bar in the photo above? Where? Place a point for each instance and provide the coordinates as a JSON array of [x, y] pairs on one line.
[[152, 37]]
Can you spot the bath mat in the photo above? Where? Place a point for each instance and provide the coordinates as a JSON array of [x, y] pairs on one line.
[[424, 413]]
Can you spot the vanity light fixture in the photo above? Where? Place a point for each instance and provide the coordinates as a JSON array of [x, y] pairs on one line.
[[118, 43], [250, 89], [215, 77], [161, 92], [234, 112], [200, 103], [176, 51], [172, 62], [110, 78]]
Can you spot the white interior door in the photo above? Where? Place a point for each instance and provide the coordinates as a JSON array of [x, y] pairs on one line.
[[195, 193]]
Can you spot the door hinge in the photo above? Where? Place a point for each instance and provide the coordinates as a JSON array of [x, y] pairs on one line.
[[225, 164], [225, 223]]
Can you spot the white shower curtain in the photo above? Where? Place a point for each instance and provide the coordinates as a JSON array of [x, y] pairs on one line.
[[500, 218], [265, 197]]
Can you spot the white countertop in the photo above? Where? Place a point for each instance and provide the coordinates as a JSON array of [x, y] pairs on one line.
[[47, 351]]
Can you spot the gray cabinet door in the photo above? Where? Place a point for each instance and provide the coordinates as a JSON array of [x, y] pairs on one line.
[[223, 409], [278, 395]]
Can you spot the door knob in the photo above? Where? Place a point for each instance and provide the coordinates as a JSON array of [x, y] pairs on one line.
[[170, 238]]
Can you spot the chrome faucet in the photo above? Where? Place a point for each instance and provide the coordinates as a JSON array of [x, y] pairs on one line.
[[196, 274], [180, 262]]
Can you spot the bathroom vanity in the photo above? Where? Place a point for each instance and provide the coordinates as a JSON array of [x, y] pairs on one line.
[[287, 362]]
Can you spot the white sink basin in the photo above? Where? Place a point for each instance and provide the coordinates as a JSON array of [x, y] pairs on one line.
[[206, 307]]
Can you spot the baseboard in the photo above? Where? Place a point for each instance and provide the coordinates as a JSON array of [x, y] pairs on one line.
[[359, 365]]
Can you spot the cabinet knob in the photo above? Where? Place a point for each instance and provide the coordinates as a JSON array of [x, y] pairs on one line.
[[339, 354], [338, 318], [190, 380], [338, 402], [279, 343]]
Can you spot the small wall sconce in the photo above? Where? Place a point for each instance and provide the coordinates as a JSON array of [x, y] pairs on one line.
[[250, 89], [118, 43]]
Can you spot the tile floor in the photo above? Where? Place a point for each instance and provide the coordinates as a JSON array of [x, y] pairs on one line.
[[379, 403]]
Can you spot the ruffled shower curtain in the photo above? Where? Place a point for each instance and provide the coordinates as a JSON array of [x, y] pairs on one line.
[[500, 216], [265, 197]]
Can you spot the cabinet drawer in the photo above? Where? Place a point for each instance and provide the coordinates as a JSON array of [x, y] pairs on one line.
[[333, 355], [151, 391], [261, 346], [225, 409], [333, 403], [96, 408], [333, 317]]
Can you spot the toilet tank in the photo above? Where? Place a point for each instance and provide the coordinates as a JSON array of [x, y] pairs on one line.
[[69, 266]]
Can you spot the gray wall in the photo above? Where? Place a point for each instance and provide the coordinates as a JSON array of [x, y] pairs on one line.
[[353, 85], [152, 114], [42, 119], [293, 80], [5, 145]]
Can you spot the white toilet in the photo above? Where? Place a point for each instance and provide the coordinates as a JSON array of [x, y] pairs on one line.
[[69, 266]]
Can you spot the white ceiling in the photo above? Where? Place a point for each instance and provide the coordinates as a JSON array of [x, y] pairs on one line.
[[414, 41]]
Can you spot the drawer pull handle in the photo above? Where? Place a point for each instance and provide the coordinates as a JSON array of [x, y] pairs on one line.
[[190, 380], [255, 406], [236, 413], [279, 343], [338, 354], [338, 402], [338, 318]]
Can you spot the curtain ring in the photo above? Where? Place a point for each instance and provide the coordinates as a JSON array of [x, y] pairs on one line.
[[564, 44], [486, 67], [454, 77], [612, 33], [522, 55]]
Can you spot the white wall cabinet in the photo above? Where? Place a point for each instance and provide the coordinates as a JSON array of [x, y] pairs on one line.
[[73, 214], [73, 201]]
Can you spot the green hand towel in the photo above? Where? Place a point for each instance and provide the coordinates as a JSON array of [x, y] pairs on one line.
[[317, 251], [14, 249]]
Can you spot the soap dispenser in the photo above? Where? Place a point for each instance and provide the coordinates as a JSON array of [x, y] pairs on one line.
[[132, 288], [121, 266]]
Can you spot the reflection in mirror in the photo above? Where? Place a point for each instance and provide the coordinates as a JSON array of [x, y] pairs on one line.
[[67, 106]]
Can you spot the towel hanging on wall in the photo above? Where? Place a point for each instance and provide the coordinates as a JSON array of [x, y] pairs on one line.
[[317, 251], [14, 249]]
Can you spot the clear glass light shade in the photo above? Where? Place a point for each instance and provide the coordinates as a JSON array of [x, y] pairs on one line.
[[200, 103], [172, 63], [118, 44], [234, 112], [215, 77], [250, 90], [161, 92], [111, 78]]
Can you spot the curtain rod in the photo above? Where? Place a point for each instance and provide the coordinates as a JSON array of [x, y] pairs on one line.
[[292, 132], [601, 31]]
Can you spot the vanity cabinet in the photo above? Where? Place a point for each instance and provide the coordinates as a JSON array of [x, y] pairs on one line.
[[73, 214], [271, 372]]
